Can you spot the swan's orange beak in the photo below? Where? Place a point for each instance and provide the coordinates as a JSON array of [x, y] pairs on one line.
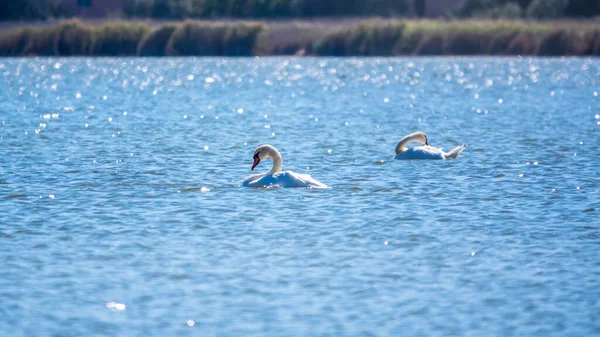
[[256, 161]]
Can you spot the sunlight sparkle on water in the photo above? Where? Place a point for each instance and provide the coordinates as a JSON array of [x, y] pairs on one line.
[[115, 306], [156, 207]]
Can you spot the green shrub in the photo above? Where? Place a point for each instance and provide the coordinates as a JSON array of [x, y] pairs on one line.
[[594, 42], [501, 41], [72, 38], [240, 39], [367, 39], [431, 44], [467, 42], [13, 42], [65, 39], [118, 39], [155, 42], [40, 41], [214, 39], [563, 42], [414, 38], [523, 43]]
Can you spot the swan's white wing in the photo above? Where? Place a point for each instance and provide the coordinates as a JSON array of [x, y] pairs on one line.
[[253, 180], [455, 152], [292, 179], [420, 152]]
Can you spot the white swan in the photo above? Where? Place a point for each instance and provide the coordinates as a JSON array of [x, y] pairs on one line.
[[275, 177], [423, 152]]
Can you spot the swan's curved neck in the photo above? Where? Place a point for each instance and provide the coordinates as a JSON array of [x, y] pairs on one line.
[[413, 137], [401, 147], [277, 161]]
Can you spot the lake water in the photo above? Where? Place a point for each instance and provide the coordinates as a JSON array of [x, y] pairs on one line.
[[121, 212]]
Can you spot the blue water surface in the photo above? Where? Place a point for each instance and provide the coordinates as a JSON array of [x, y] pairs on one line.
[[121, 212]]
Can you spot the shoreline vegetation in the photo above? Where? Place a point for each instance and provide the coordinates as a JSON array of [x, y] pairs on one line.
[[373, 37]]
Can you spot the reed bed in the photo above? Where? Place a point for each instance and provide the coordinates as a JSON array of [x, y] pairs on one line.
[[391, 38], [336, 38], [213, 39]]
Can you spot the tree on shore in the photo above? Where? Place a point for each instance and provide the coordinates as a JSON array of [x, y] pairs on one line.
[[29, 9], [182, 9], [420, 8], [537, 9]]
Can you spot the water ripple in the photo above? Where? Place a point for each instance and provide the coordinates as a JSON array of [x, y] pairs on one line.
[[119, 189]]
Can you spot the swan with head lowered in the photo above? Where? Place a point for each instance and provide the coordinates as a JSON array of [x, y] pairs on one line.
[[423, 152], [276, 177]]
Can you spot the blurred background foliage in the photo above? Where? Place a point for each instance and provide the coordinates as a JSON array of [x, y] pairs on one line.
[[262, 8], [535, 9], [491, 27], [182, 9], [31, 9]]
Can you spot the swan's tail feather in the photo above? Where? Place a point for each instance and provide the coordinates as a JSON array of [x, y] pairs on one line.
[[456, 151]]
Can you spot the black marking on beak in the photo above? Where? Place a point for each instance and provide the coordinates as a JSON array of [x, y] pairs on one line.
[[256, 161]]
